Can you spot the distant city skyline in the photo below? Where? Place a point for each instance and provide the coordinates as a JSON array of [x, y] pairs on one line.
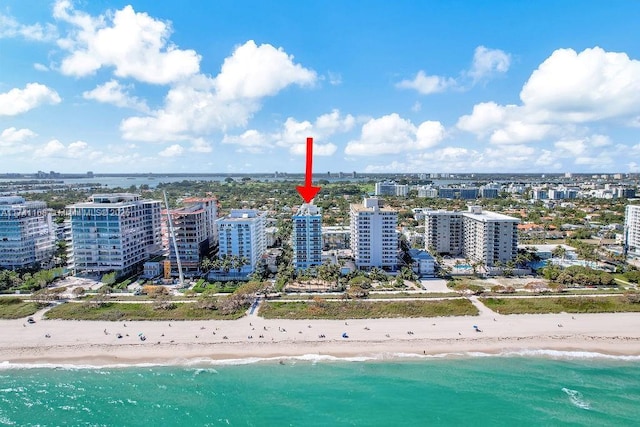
[[393, 87]]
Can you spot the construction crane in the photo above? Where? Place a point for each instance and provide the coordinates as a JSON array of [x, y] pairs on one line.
[[173, 238]]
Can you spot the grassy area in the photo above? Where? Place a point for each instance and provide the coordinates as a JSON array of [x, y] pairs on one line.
[[612, 304], [365, 309], [115, 311], [15, 308], [427, 295], [568, 291]]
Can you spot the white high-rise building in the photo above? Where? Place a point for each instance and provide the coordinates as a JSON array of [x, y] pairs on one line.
[[27, 234], [242, 234], [632, 230], [374, 240], [489, 237], [486, 237], [307, 237], [385, 188], [195, 231], [391, 188], [427, 191], [443, 232], [114, 232]]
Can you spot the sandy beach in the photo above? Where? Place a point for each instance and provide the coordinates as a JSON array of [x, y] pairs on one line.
[[97, 343]]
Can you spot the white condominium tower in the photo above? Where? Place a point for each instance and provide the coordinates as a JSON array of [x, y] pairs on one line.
[[113, 232], [443, 232], [486, 237], [242, 234], [195, 231], [632, 230], [374, 241], [307, 237], [27, 235], [489, 237]]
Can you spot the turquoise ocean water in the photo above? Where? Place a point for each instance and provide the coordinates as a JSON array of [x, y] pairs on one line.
[[559, 389]]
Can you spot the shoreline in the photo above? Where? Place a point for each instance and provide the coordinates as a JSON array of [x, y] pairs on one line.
[[253, 339]]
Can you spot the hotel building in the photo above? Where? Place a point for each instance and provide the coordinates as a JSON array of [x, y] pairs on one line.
[[242, 234], [374, 240], [195, 232], [307, 237], [113, 232], [27, 234], [632, 230]]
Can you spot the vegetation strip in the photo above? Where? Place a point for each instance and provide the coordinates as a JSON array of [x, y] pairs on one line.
[[321, 309], [16, 308], [612, 304], [114, 311]]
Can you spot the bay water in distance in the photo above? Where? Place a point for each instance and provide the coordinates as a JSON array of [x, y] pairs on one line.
[[564, 389]]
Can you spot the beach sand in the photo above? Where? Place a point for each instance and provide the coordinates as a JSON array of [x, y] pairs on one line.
[[96, 343]]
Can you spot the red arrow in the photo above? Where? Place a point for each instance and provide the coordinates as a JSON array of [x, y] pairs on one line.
[[308, 192]]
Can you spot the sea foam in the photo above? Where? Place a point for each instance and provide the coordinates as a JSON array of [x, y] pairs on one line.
[[576, 398], [316, 358]]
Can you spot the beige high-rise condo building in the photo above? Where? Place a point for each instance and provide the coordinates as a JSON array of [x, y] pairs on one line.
[[487, 237], [195, 231]]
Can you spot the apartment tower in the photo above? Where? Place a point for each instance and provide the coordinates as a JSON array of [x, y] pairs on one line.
[[27, 236], [632, 230], [195, 232], [307, 237], [242, 234], [114, 232], [443, 232], [374, 240]]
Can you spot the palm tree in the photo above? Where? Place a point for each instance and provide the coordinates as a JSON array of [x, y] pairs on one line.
[[206, 264], [559, 252], [227, 263]]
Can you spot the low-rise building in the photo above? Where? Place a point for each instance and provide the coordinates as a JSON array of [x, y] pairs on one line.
[[424, 265]]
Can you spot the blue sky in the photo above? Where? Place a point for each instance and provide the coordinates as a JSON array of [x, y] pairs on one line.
[[237, 86]]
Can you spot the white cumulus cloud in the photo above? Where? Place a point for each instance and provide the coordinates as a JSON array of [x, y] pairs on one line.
[[53, 148], [134, 44], [18, 101], [13, 140], [486, 64], [16, 135], [426, 84], [172, 151], [257, 71], [569, 88], [200, 104], [112, 92], [199, 145], [293, 135], [586, 86], [10, 28], [392, 134], [250, 141]]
